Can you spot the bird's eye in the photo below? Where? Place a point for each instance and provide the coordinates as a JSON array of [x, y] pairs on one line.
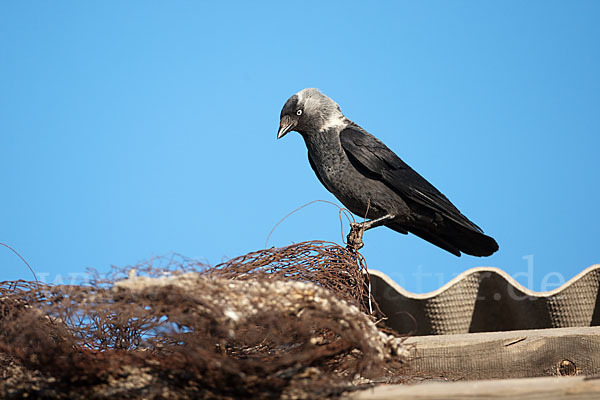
[[299, 112]]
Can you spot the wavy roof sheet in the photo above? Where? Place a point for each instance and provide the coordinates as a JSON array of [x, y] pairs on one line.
[[488, 300]]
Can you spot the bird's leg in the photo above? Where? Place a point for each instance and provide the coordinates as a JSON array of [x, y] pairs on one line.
[[354, 238], [374, 222]]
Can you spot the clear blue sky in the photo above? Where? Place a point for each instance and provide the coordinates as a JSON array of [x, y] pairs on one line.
[[133, 129]]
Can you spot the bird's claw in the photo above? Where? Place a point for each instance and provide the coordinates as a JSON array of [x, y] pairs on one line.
[[354, 238]]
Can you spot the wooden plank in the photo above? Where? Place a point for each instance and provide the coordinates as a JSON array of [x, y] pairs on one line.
[[502, 355], [570, 388]]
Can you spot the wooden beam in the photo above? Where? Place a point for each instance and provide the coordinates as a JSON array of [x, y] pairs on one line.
[[571, 388], [502, 355]]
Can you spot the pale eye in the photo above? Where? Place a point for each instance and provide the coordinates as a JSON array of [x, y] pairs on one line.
[[299, 112]]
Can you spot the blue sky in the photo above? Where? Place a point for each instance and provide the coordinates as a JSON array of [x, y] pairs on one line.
[[135, 129]]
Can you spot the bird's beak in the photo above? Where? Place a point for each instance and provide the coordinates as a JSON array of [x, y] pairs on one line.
[[285, 125]]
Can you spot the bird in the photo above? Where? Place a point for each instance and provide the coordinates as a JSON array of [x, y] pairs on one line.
[[374, 183]]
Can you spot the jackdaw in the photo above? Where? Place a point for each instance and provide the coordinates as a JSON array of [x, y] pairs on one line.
[[373, 182]]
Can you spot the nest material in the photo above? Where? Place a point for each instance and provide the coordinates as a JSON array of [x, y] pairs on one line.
[[286, 322]]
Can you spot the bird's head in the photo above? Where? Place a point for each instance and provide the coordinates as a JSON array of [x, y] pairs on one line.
[[307, 111]]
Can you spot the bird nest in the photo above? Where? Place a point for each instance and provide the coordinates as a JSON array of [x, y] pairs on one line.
[[290, 322]]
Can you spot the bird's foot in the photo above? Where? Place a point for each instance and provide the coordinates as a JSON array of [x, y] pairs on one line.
[[354, 239]]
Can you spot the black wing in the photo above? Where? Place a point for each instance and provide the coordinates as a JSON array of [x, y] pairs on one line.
[[379, 160], [454, 233]]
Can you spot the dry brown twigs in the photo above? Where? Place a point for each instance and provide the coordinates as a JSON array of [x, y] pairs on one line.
[[287, 322]]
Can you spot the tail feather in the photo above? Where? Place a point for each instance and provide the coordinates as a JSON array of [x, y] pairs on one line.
[[476, 243], [452, 237]]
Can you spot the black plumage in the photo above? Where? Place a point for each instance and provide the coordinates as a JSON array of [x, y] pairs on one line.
[[373, 182]]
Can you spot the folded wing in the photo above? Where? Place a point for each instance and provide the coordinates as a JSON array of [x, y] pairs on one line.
[[435, 218]]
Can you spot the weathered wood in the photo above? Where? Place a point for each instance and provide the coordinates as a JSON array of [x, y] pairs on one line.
[[502, 355], [570, 388]]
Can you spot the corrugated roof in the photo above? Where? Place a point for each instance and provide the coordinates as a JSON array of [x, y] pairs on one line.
[[488, 300]]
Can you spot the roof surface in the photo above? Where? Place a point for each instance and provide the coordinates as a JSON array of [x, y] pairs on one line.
[[488, 300]]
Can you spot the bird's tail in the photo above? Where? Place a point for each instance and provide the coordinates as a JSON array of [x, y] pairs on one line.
[[454, 238]]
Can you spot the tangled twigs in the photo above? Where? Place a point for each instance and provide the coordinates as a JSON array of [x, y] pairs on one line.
[[291, 322]]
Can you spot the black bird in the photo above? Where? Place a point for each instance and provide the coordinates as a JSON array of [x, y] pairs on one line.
[[373, 182]]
